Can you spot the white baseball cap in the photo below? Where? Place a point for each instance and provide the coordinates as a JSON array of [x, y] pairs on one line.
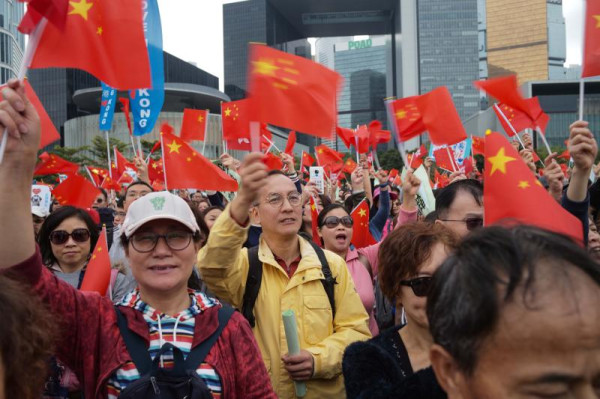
[[39, 211], [158, 205]]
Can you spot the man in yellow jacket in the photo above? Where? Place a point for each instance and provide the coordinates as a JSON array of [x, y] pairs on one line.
[[291, 279]]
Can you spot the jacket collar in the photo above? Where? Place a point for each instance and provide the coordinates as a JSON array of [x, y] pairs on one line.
[[309, 256]]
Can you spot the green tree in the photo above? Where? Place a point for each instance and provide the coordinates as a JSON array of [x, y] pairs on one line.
[[74, 154], [390, 159], [98, 149]]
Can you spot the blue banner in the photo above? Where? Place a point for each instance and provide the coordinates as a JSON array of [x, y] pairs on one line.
[[107, 107], [461, 150], [146, 104]]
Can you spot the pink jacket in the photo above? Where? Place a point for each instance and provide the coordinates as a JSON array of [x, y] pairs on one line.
[[363, 281]]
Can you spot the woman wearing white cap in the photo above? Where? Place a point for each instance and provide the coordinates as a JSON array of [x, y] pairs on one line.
[[154, 342]]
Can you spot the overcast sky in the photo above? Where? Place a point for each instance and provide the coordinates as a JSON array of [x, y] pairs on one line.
[[193, 31]]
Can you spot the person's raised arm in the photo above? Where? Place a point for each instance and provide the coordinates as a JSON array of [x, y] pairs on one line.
[[18, 119], [583, 149], [253, 173]]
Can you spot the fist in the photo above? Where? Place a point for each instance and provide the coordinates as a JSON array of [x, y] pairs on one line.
[[582, 145], [253, 173]]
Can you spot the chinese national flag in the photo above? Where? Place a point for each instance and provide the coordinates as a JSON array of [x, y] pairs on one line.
[[307, 160], [377, 135], [362, 137], [76, 191], [122, 164], [478, 145], [327, 156], [417, 158], [314, 214], [272, 161], [194, 124], [393, 174], [520, 120], [97, 272], [292, 92], [155, 170], [444, 158], [96, 179], [125, 179], [49, 134], [440, 180], [236, 125], [347, 135], [512, 194], [349, 166], [54, 164], [591, 46], [506, 91], [440, 117], [407, 117], [110, 184], [185, 168], [102, 37], [291, 142], [361, 236]]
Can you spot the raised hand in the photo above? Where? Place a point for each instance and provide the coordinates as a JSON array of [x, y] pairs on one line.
[[253, 174]]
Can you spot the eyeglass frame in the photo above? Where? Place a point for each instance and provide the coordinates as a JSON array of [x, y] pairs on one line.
[[415, 281], [466, 222], [294, 193], [157, 237]]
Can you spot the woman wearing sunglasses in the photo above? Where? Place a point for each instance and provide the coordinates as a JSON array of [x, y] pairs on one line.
[[407, 260]]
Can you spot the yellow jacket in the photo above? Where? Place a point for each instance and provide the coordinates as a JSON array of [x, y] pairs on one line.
[[223, 264]]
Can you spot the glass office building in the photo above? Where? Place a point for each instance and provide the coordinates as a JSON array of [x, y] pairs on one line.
[[449, 50], [12, 43]]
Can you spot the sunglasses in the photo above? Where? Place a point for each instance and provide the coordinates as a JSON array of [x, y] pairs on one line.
[[333, 221], [59, 237], [420, 285], [472, 223]]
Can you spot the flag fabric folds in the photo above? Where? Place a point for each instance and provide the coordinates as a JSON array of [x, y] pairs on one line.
[[505, 89], [512, 194], [126, 110], [194, 124], [236, 125], [52, 164], [440, 117], [97, 271], [591, 45], [291, 142], [519, 120], [76, 191], [307, 160], [347, 135], [408, 120], [104, 38], [361, 237], [185, 168], [314, 214], [327, 156], [292, 92]]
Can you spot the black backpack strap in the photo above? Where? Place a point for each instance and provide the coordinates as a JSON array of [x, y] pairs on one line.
[[136, 345], [198, 354], [253, 280], [329, 281]]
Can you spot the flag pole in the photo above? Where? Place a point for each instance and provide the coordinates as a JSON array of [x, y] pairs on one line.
[[255, 136], [401, 149], [376, 158], [539, 132], [133, 145], [581, 95], [272, 144], [141, 150], [32, 45], [108, 154], [90, 175], [164, 164], [451, 159], [497, 108]]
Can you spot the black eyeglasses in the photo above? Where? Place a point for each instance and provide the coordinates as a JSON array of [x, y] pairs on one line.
[[276, 200], [146, 241], [472, 223], [59, 237], [333, 221], [420, 285]]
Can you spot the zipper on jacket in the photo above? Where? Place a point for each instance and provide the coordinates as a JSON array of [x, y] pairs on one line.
[[155, 385]]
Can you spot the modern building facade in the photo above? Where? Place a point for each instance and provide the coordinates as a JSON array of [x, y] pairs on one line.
[[56, 87], [526, 38], [12, 42]]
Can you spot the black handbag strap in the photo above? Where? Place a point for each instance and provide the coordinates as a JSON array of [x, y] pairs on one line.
[[136, 346], [253, 281], [329, 281]]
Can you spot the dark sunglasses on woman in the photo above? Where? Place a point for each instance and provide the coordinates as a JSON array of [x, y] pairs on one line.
[[420, 285], [333, 221], [472, 223], [59, 237]]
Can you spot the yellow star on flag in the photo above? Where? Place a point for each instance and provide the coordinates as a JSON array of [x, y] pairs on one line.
[[597, 17], [499, 161], [320, 151], [93, 257], [189, 159], [200, 118], [401, 114], [174, 147], [80, 8], [362, 213], [99, 31], [313, 207], [524, 184], [228, 112], [99, 249], [264, 67]]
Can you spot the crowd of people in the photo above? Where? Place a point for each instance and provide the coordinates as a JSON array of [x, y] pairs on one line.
[[439, 306]]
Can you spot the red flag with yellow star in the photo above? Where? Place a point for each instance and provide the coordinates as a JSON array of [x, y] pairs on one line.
[[122, 164], [76, 191], [155, 170], [194, 124], [185, 168], [110, 184], [440, 118], [513, 195], [327, 156], [307, 160], [292, 92], [97, 271], [505, 89], [349, 166], [236, 125], [478, 145], [52, 164], [102, 37], [591, 46], [361, 236], [408, 120], [314, 215], [520, 121], [272, 161]]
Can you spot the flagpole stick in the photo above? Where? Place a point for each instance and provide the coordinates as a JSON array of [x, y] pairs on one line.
[[255, 136], [357, 153], [400, 144], [90, 175], [581, 96], [139, 143], [272, 144], [164, 163], [539, 132], [133, 145], [108, 154], [204, 145], [497, 108], [376, 158], [451, 159], [32, 45]]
